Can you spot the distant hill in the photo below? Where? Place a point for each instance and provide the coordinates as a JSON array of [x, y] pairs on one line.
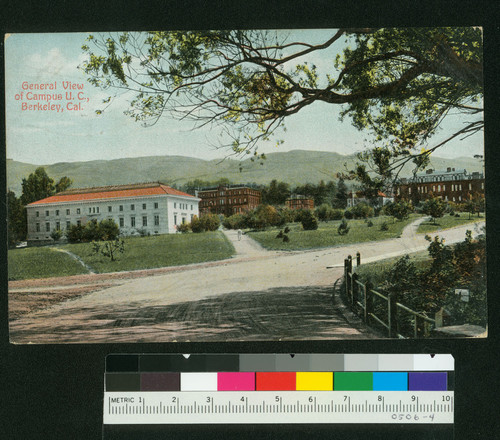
[[295, 167]]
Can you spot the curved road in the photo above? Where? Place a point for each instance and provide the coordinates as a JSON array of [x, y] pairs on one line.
[[256, 295]]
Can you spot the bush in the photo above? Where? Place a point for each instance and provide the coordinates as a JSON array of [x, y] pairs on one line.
[[74, 233], [361, 210], [384, 226], [309, 221], [343, 228], [183, 228], [108, 229], [369, 224], [399, 210], [336, 214], [236, 221], [56, 234], [207, 222]]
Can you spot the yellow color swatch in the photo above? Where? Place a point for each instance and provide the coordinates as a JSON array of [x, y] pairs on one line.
[[314, 381]]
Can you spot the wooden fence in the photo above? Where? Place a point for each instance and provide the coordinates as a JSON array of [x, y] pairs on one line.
[[362, 298]]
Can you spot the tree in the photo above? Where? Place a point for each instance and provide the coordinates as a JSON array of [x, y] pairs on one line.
[[17, 222], [39, 185], [434, 207], [396, 83], [309, 221], [399, 210], [276, 193], [340, 200]]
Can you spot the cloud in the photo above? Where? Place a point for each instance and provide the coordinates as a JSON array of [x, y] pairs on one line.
[[53, 63]]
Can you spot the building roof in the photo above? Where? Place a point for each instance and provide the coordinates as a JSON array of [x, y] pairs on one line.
[[448, 171], [112, 192]]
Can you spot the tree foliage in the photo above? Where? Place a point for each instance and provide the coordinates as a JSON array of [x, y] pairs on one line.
[[17, 222], [39, 185], [435, 207], [398, 84]]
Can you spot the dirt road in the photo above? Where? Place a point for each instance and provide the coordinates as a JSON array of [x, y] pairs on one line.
[[257, 295]]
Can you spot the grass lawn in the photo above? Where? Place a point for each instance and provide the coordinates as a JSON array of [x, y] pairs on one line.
[[326, 235], [41, 262], [446, 222], [158, 251]]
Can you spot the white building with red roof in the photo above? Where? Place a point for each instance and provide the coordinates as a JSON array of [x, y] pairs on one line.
[[146, 208]]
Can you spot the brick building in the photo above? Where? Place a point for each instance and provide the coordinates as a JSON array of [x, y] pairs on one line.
[[150, 207], [296, 201], [228, 199], [450, 185]]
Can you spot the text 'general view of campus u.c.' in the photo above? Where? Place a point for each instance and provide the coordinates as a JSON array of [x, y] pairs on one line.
[[217, 186]]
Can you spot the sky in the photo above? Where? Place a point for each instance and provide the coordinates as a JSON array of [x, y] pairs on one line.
[[45, 137]]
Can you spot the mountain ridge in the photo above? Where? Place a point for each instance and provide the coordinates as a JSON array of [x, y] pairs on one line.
[[295, 167]]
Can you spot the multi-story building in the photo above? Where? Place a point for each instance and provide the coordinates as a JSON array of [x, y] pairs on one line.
[[297, 201], [228, 199], [450, 185], [151, 208], [355, 198]]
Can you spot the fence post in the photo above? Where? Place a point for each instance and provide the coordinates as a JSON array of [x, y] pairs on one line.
[[349, 277], [368, 301], [392, 315], [358, 259], [346, 277], [355, 287]]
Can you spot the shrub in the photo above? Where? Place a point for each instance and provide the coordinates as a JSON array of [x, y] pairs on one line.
[[336, 214], [183, 228], [236, 221], [209, 222], [369, 224], [285, 239], [362, 210], [108, 229], [399, 210], [280, 234], [309, 221], [74, 233], [343, 228], [384, 226], [56, 234]]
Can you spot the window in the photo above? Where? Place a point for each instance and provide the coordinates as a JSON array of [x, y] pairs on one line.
[[58, 226], [90, 210], [38, 214], [46, 213], [144, 221], [132, 221], [68, 212], [57, 212], [192, 216], [175, 219], [156, 205], [183, 220], [78, 210], [38, 227], [192, 207], [132, 207], [444, 189], [122, 222], [143, 206], [121, 208], [175, 205], [110, 209], [47, 227], [97, 209], [68, 224], [157, 220], [78, 223], [439, 188]]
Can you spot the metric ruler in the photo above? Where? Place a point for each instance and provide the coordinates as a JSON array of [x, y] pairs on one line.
[[278, 407], [278, 389]]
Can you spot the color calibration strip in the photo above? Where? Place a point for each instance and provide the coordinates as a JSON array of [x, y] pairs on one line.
[[278, 389]]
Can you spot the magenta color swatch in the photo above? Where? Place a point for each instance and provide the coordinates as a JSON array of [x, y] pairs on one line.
[[235, 381]]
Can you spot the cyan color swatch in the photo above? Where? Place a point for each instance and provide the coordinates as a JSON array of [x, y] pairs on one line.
[[390, 381]]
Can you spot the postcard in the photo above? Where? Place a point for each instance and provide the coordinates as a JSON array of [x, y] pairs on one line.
[[197, 186]]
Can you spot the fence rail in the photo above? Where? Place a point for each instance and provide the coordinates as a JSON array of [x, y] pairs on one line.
[[362, 298]]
